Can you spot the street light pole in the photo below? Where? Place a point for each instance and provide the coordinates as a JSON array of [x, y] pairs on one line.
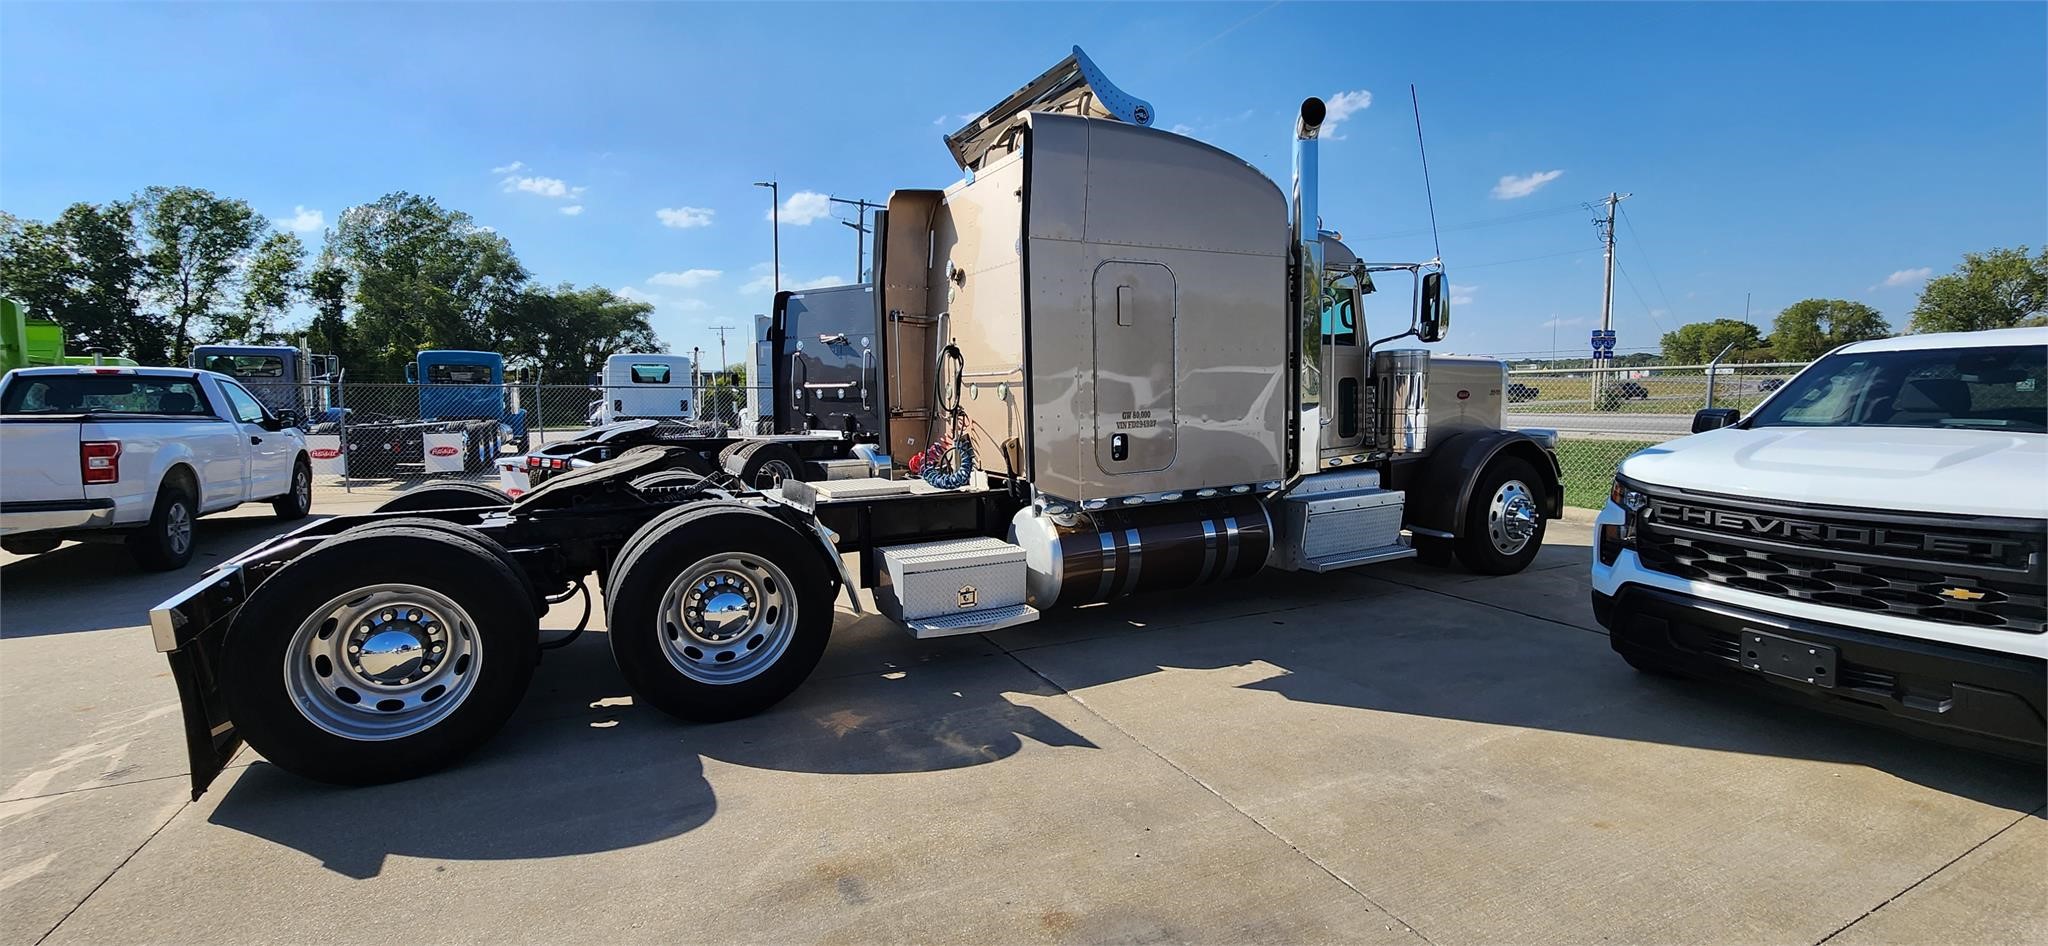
[[775, 229]]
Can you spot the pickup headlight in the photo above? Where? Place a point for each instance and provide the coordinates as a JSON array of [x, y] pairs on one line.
[[1617, 536]]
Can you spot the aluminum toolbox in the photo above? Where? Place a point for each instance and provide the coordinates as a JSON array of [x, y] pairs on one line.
[[954, 586]]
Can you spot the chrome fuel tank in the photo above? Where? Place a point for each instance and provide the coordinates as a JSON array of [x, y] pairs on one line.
[[1108, 553]]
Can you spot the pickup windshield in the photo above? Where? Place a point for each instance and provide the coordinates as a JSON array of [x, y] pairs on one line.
[[1976, 388], [102, 394]]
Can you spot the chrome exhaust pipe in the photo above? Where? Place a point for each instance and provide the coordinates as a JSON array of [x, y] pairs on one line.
[[1308, 251]]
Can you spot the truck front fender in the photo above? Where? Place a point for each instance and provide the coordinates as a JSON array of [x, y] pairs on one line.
[[1440, 487]]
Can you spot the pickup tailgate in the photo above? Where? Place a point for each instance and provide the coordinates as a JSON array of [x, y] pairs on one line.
[[39, 459]]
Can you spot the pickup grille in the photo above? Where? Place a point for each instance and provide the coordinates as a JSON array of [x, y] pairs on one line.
[[1972, 572]]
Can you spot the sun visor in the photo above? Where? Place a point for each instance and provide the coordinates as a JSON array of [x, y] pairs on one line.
[[1074, 86]]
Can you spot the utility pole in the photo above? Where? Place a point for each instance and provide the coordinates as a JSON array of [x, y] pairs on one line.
[[721, 330], [860, 251], [775, 235], [1606, 228]]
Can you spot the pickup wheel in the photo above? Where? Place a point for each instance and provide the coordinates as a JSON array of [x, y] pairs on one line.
[[445, 496], [718, 611], [380, 655], [166, 542], [299, 501], [1503, 529]]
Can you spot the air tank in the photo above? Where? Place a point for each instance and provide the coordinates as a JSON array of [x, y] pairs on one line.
[[1401, 377], [1107, 553]]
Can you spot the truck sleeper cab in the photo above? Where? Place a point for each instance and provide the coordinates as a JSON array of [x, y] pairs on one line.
[[1103, 368]]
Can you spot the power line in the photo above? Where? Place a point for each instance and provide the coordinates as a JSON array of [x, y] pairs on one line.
[[1525, 259], [1473, 224], [1652, 313], [1631, 224]]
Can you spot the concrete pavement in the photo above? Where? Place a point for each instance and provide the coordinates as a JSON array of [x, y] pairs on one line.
[[1397, 755]]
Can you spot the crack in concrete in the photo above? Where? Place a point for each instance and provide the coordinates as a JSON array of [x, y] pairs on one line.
[[1915, 885], [1190, 776], [82, 901]]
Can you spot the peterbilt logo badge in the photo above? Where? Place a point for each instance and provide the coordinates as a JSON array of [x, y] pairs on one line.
[[1961, 594], [444, 451], [323, 453], [1763, 525], [967, 596]]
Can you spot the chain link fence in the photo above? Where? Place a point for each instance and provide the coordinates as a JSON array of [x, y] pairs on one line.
[[1603, 416], [386, 438]]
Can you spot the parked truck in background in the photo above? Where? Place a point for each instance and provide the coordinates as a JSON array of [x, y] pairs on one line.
[[137, 454], [1115, 360], [459, 395], [28, 341], [283, 377], [1870, 538]]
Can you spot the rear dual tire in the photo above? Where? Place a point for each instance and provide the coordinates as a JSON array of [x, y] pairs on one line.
[[382, 654], [717, 611]]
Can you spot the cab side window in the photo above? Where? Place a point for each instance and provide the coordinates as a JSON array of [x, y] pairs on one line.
[[242, 404]]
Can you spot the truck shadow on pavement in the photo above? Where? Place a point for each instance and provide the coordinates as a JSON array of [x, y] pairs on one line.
[[1391, 672], [95, 586]]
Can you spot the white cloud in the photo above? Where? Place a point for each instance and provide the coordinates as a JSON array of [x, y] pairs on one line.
[[687, 279], [572, 210], [1182, 129], [683, 218], [941, 120], [1512, 187], [819, 283], [510, 168], [544, 186], [763, 283], [804, 207], [635, 295], [303, 220], [1462, 295], [1560, 322], [1341, 106], [661, 302], [1904, 277], [691, 305]]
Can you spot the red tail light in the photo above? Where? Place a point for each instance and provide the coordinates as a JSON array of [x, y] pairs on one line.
[[99, 461]]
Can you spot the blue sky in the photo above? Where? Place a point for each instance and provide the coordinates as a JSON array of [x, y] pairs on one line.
[[1786, 151]]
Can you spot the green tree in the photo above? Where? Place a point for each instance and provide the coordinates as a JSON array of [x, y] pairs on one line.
[[274, 280], [194, 244], [564, 334], [83, 270], [424, 277], [327, 291], [1999, 289], [1698, 342], [1810, 328]]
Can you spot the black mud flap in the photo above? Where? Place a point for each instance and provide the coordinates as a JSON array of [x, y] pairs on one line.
[[189, 629]]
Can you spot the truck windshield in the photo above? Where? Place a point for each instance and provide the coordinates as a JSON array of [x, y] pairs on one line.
[[1981, 388], [246, 366], [92, 394], [459, 374]]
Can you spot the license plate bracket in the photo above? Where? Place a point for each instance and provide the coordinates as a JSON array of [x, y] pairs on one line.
[[1791, 659]]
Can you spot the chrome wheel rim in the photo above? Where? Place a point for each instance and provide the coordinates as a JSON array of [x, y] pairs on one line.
[[382, 662], [727, 618], [1511, 518], [772, 473], [302, 487], [178, 528]]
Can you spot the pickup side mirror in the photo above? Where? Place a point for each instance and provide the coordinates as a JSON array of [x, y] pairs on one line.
[[1432, 311], [1714, 418], [287, 418]]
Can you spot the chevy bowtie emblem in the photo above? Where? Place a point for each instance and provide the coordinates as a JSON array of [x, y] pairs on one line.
[[1961, 594]]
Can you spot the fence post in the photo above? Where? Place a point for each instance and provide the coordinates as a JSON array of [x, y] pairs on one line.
[[1714, 372], [341, 396]]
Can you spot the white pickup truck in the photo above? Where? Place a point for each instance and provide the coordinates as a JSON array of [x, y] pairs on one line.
[[138, 453], [1870, 538]]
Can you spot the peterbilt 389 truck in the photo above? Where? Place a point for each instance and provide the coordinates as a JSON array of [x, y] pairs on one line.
[[1116, 360]]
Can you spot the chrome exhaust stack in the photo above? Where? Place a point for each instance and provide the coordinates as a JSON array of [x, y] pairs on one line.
[[1308, 250]]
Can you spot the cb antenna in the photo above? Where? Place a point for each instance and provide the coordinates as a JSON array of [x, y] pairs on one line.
[[1427, 191]]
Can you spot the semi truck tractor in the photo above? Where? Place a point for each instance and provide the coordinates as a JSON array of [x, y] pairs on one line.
[[283, 377], [1114, 361], [463, 404]]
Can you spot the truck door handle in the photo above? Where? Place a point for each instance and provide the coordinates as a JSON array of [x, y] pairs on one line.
[[255, 439]]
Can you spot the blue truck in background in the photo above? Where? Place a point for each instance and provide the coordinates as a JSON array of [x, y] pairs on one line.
[[283, 377], [455, 392]]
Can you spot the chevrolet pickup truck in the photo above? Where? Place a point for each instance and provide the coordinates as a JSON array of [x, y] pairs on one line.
[[100, 452], [1870, 538]]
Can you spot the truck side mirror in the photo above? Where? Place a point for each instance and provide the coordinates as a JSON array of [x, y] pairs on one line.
[[1433, 312], [412, 374], [286, 418], [1714, 418]]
